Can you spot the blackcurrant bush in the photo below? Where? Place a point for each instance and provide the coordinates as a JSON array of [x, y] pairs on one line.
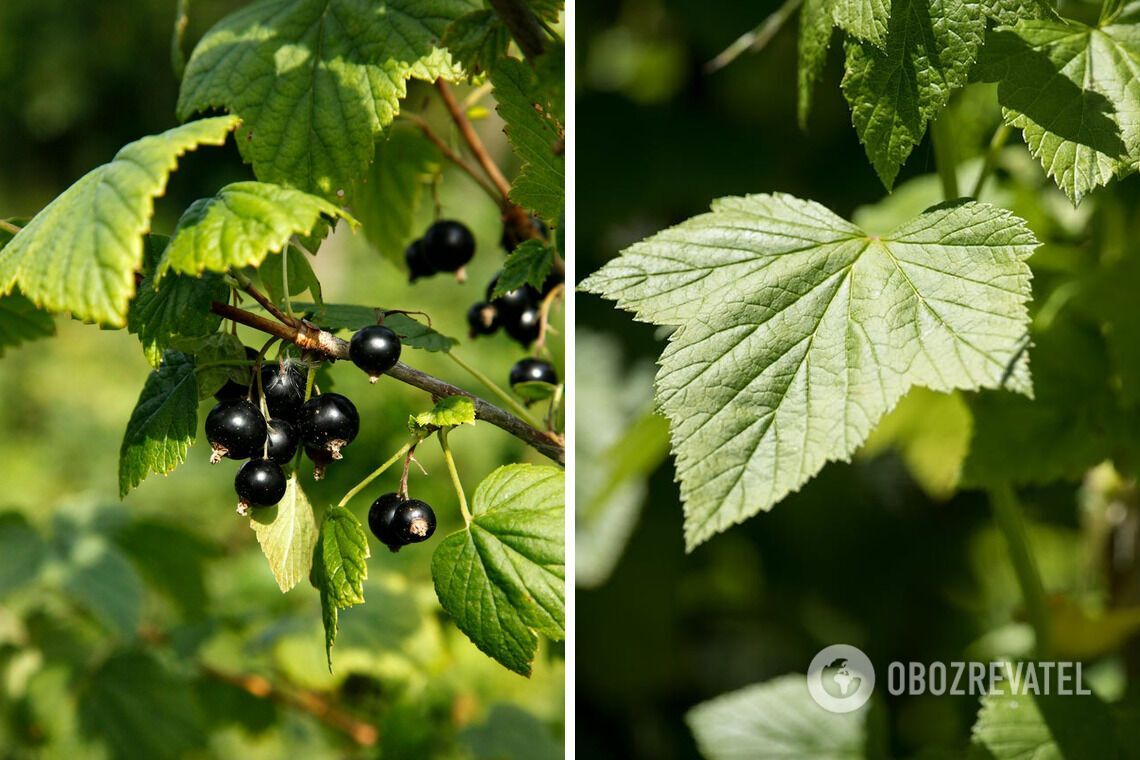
[[482, 319], [283, 441], [284, 386], [238, 390], [235, 429], [448, 245], [412, 522], [530, 370], [375, 349], [259, 483], [329, 422], [513, 302], [380, 517], [524, 327], [418, 263], [320, 459]]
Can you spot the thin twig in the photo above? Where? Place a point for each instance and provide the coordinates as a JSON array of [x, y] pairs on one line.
[[9, 227], [756, 39], [454, 157], [262, 299], [492, 386], [997, 142], [471, 137]]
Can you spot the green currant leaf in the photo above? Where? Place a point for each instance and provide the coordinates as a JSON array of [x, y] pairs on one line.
[[288, 535], [1009, 12], [341, 553], [97, 575], [1074, 91], [448, 412], [895, 91], [797, 331], [533, 127], [412, 333], [24, 551], [816, 24], [864, 19], [529, 263], [777, 718], [221, 350], [21, 321], [172, 307], [330, 615], [502, 577], [315, 81], [163, 424], [81, 252], [477, 41], [389, 197], [1010, 727], [241, 226]]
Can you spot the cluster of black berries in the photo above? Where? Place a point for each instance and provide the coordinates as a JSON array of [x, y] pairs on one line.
[[398, 521], [237, 429], [447, 246], [516, 311]]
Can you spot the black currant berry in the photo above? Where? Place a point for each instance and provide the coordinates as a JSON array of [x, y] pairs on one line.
[[513, 302], [259, 483], [448, 245], [552, 281], [524, 327], [413, 521], [380, 517], [238, 390], [235, 429], [531, 370], [418, 263], [284, 386], [320, 459], [375, 349], [482, 319], [283, 441], [329, 422]]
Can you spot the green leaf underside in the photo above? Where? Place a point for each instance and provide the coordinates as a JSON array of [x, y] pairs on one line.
[[448, 412], [536, 135], [864, 19], [81, 252], [342, 551], [1013, 727], [529, 263], [895, 91], [797, 332], [477, 41], [1074, 91], [502, 578], [240, 226], [389, 197], [315, 81], [163, 424], [816, 24], [21, 321], [412, 333], [777, 718], [288, 534]]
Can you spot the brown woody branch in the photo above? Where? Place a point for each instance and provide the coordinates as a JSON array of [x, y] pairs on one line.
[[308, 337]]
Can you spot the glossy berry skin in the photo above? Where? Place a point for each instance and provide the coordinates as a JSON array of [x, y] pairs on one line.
[[513, 302], [235, 429], [524, 327], [283, 441], [418, 263], [531, 370], [233, 390], [259, 483], [380, 517], [553, 280], [448, 245], [412, 522], [284, 389], [482, 319], [328, 422], [375, 349]]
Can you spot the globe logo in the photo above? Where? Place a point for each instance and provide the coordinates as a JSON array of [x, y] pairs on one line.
[[841, 678]]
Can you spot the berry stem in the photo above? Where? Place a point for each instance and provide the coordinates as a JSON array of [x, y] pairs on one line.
[[308, 337], [471, 137], [997, 142], [405, 449], [454, 157], [505, 397], [404, 475], [262, 299], [544, 316], [9, 227], [285, 283], [447, 457], [756, 39]]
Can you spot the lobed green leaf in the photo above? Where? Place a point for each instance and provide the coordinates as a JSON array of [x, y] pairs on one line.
[[532, 126], [163, 424], [287, 533], [529, 263]]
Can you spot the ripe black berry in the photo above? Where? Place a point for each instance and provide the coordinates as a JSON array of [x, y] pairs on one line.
[[531, 370], [553, 280], [283, 441], [448, 245], [513, 302], [418, 263], [233, 390], [510, 239], [259, 483], [482, 319], [524, 327], [380, 517], [375, 349], [284, 386], [329, 422], [413, 521], [235, 429]]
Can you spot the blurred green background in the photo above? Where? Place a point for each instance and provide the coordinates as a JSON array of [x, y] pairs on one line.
[[124, 624], [869, 553]]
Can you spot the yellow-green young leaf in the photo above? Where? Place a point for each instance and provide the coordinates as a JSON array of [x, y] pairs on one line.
[[287, 533], [81, 253], [387, 199], [529, 263], [316, 80], [796, 331], [341, 553], [163, 424], [536, 134], [240, 226], [502, 577], [448, 412]]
